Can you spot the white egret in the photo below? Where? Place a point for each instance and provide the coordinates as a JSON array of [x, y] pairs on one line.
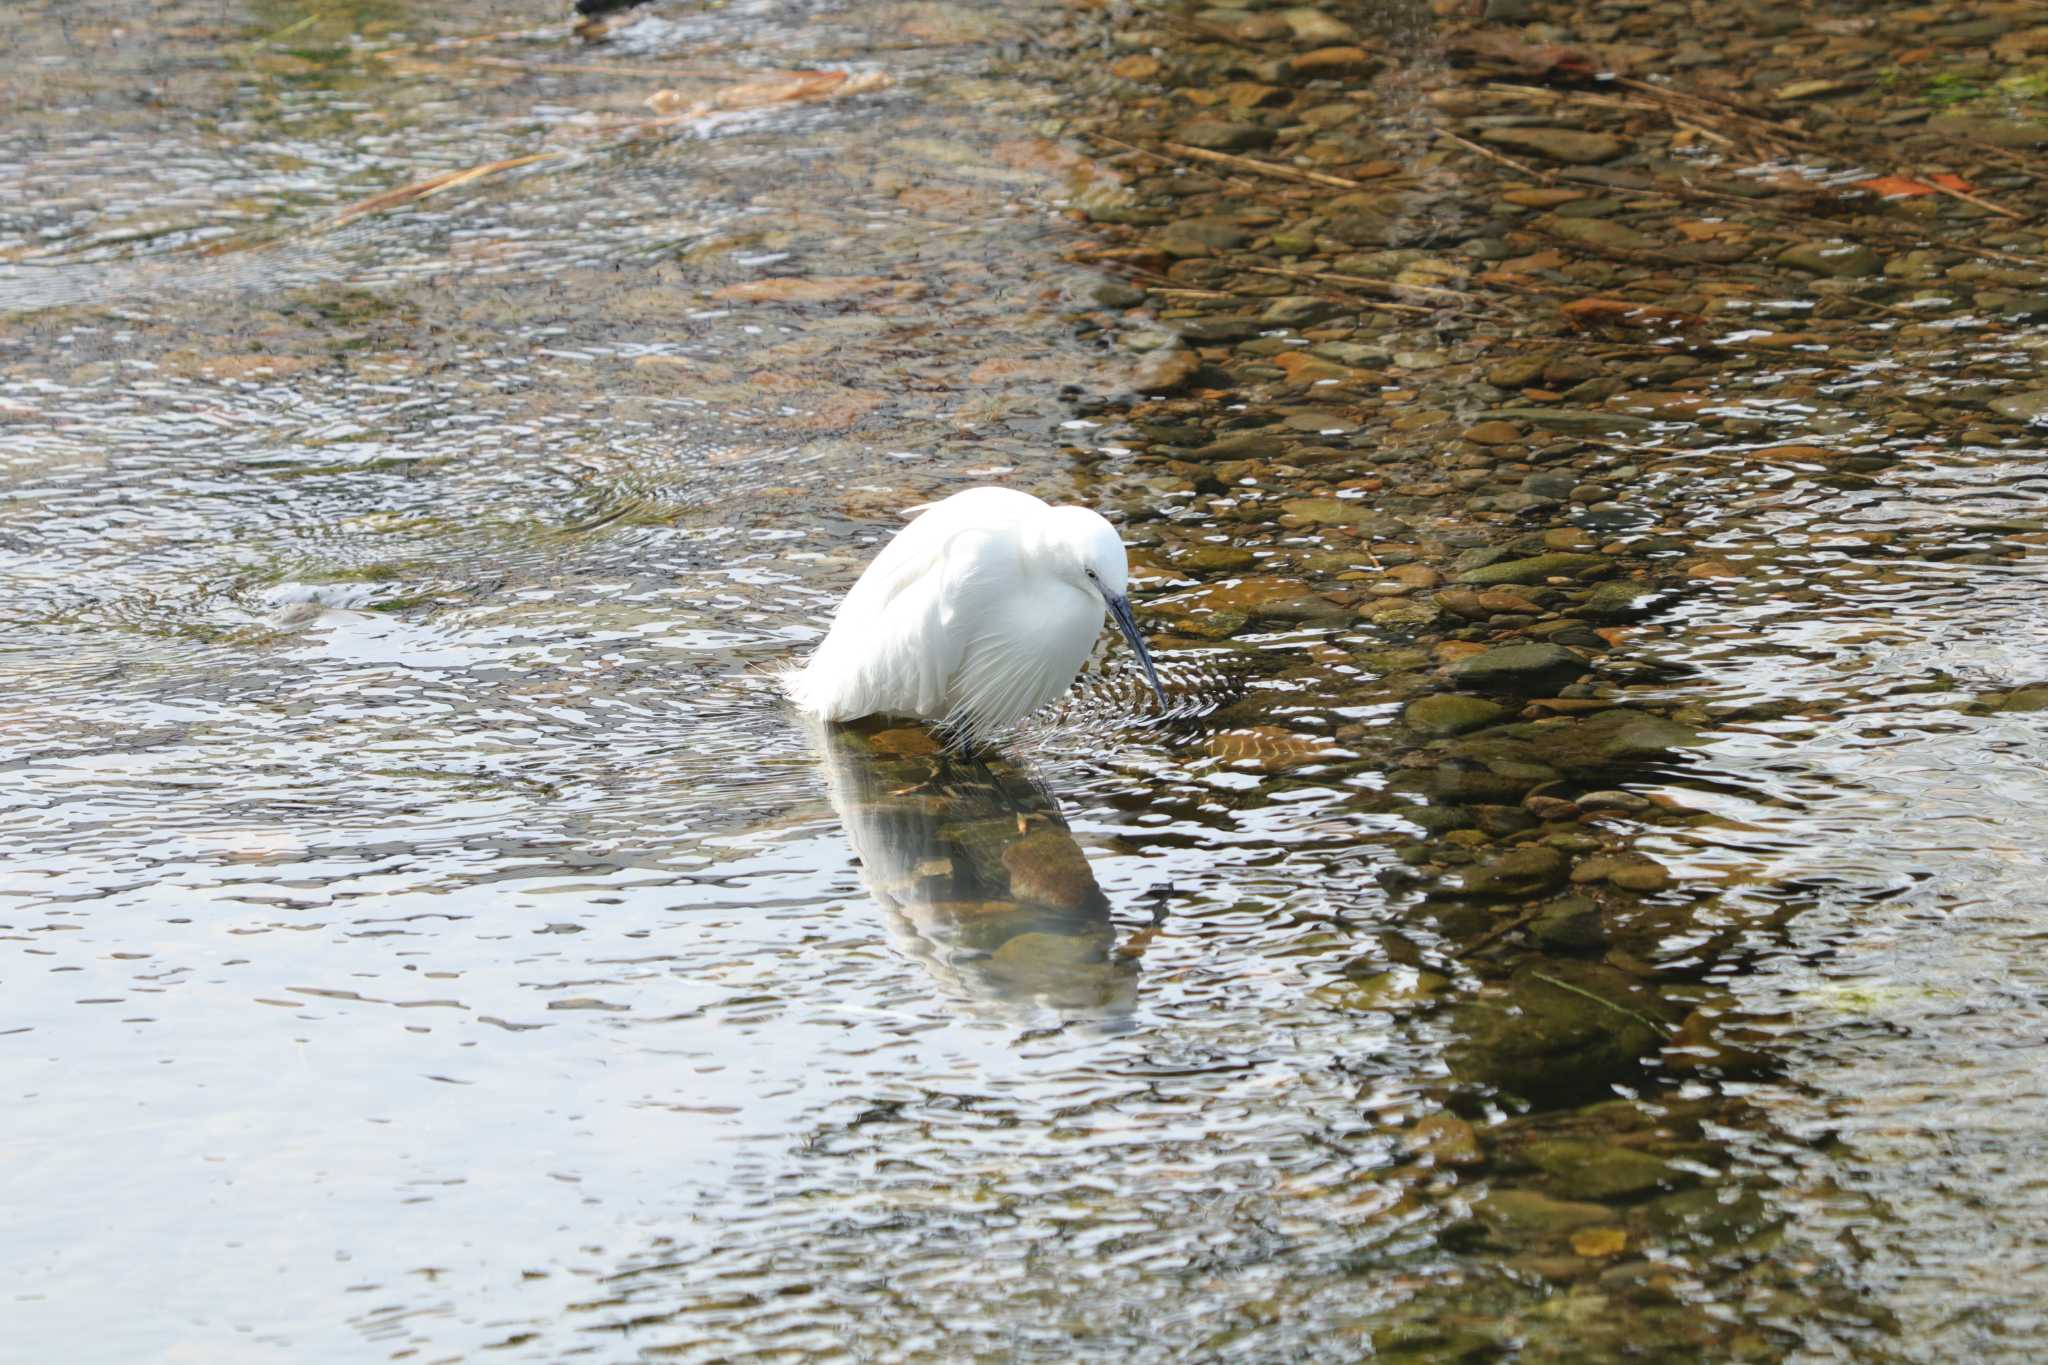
[[976, 614]]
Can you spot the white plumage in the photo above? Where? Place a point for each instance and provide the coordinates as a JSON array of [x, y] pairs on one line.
[[976, 614]]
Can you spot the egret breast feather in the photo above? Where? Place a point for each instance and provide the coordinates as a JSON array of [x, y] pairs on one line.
[[979, 612]]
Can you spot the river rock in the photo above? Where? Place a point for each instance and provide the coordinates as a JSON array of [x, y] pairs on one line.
[[1597, 1170], [1568, 145], [1556, 1031], [1525, 1213], [1527, 670], [1047, 868], [1518, 874], [1201, 236], [1346, 512], [1313, 28], [1244, 445], [1325, 63], [1600, 232], [1535, 569], [1224, 135], [1450, 714], [1842, 260], [1614, 603], [2023, 407], [1167, 371]]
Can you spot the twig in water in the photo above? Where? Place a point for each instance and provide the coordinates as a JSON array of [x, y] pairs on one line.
[[1500, 931], [1657, 1024], [1273, 169], [434, 184], [1934, 182], [1492, 155]]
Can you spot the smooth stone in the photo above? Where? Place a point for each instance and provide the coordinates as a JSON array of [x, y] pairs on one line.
[[1518, 874], [1597, 1170], [1535, 569], [2029, 407], [1614, 800], [1224, 135], [1613, 603], [1347, 512], [1600, 232], [1201, 236], [1840, 260], [1568, 145], [1447, 713], [1575, 419], [1532, 670], [1244, 445], [1557, 1030], [1048, 868], [1529, 1214]]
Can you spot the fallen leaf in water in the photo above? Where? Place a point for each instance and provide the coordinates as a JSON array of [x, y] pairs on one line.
[[1904, 187], [1600, 1242]]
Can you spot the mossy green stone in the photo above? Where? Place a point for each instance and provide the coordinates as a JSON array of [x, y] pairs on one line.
[[1531, 1214], [1517, 874], [1558, 1030], [1447, 713], [1597, 1170], [1525, 670], [1535, 569]]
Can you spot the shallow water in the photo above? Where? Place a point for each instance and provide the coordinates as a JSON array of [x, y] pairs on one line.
[[430, 931], [426, 931]]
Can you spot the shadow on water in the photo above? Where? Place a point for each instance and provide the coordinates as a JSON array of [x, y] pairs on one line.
[[978, 873]]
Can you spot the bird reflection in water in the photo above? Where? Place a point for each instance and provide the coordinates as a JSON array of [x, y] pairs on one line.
[[980, 877]]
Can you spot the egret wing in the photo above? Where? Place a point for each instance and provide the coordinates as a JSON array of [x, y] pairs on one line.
[[895, 645], [918, 549]]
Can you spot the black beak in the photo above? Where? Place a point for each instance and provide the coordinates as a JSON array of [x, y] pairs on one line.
[[1120, 610]]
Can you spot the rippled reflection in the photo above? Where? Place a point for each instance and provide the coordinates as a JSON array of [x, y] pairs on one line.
[[979, 875]]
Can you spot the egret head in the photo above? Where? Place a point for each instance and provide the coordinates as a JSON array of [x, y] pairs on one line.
[[1086, 550]]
